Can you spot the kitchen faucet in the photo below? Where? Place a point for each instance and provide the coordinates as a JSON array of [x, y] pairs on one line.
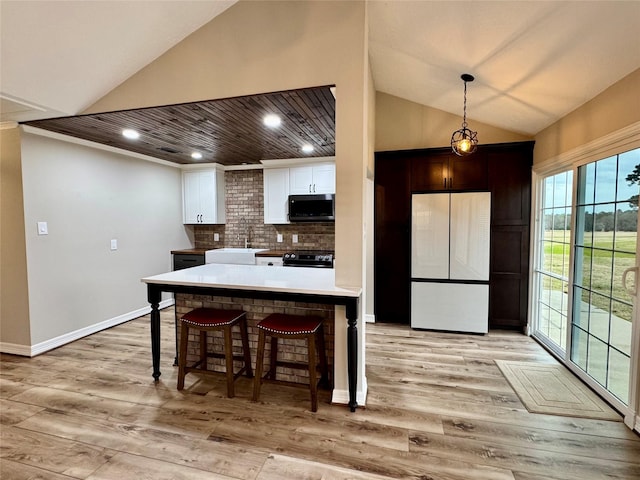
[[247, 230]]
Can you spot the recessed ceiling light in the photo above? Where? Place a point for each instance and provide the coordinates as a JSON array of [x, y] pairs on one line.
[[272, 120], [196, 155], [130, 133], [307, 148]]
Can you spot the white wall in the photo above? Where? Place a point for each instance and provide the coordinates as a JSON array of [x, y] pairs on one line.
[[87, 197]]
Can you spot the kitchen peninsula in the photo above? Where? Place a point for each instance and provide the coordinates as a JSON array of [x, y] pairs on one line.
[[312, 285]]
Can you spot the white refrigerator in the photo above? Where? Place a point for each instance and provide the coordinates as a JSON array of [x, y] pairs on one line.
[[450, 261]]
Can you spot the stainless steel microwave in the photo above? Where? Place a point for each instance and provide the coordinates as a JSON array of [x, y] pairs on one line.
[[312, 208]]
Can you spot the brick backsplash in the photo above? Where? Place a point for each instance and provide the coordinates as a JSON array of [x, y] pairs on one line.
[[245, 218]]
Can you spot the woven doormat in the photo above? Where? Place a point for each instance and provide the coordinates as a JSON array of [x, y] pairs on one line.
[[552, 389]]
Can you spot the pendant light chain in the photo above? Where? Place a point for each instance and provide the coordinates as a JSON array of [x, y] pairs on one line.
[[464, 110], [464, 141]]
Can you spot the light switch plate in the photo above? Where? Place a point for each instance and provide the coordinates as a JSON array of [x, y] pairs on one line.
[[114, 244], [294, 238], [43, 229], [279, 238], [216, 237]]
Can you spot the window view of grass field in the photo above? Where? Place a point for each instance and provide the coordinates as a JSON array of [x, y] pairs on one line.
[[605, 235]]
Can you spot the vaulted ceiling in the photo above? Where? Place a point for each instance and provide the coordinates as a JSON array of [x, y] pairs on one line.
[[534, 61]]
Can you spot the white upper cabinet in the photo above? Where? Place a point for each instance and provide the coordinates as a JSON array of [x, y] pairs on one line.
[[203, 198], [276, 195], [283, 181], [309, 179]]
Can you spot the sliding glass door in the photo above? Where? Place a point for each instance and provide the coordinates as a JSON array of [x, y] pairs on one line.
[[552, 272], [587, 240], [605, 244]]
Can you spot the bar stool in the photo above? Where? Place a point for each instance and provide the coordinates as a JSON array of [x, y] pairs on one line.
[[279, 325], [210, 319]]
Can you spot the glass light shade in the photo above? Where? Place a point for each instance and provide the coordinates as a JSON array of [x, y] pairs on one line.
[[464, 142]]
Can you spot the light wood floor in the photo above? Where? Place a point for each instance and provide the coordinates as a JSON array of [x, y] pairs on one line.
[[438, 409]]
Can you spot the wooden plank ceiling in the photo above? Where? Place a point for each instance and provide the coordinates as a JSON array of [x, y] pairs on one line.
[[228, 131]]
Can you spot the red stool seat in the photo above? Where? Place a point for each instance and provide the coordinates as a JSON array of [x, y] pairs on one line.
[[280, 325], [208, 320], [210, 317]]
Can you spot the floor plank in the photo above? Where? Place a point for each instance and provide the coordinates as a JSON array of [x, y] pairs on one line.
[[12, 412], [128, 466], [19, 471], [280, 467], [52, 453]]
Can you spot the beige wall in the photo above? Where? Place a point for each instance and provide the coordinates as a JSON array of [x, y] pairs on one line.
[[616, 107], [14, 300], [369, 200], [256, 47], [404, 125]]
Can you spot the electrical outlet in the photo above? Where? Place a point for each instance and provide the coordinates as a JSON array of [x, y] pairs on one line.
[[279, 238], [216, 237], [114, 244], [294, 238]]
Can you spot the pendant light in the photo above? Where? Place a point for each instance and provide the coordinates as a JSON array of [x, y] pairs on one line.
[[464, 141]]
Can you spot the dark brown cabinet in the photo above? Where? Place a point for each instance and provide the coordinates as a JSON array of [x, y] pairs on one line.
[[502, 169], [442, 170], [510, 185], [392, 267]]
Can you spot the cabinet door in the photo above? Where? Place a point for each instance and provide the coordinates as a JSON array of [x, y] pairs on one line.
[[191, 197], [470, 231], [450, 306], [430, 173], [510, 182], [468, 173], [392, 239], [324, 179], [430, 236], [276, 194], [207, 187], [300, 180]]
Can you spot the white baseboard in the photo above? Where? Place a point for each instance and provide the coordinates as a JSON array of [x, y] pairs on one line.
[[33, 350], [341, 397], [369, 318]]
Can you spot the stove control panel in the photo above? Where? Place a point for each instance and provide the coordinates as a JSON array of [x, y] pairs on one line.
[[308, 259]]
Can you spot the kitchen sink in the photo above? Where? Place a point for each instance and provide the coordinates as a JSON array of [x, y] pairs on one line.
[[238, 256]]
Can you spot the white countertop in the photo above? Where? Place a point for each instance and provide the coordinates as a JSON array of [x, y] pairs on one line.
[[316, 281]]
